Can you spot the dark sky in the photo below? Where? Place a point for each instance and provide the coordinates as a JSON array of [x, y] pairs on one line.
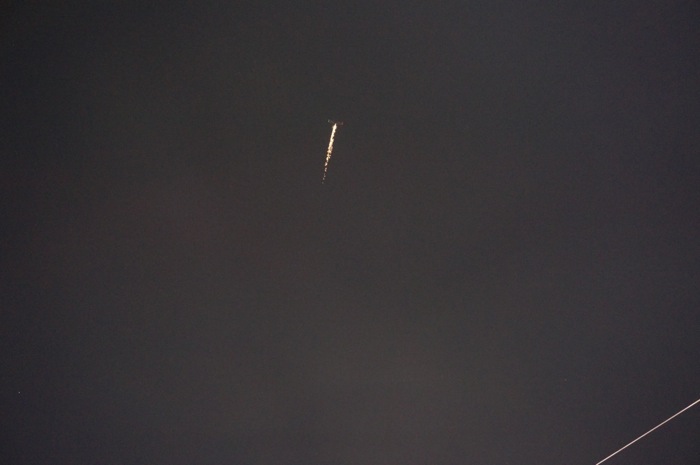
[[502, 266]]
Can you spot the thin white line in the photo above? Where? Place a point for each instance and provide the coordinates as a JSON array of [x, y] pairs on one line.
[[655, 427]]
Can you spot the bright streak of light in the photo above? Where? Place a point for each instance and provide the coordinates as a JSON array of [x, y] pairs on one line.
[[655, 427], [329, 152]]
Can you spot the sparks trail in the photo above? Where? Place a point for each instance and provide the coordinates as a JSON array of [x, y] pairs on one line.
[[655, 427], [330, 147]]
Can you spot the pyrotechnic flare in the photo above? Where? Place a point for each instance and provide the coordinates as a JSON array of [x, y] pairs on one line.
[[330, 147]]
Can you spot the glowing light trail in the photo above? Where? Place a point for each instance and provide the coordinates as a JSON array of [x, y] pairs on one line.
[[330, 147], [655, 427]]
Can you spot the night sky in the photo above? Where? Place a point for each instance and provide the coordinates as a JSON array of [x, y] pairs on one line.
[[502, 266]]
